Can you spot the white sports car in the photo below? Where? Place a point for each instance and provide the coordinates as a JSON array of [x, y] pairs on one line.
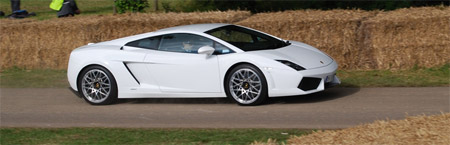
[[198, 61]]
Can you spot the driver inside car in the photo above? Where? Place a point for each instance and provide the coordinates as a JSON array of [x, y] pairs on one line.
[[188, 47]]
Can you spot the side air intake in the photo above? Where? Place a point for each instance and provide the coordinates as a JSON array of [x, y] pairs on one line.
[[309, 83], [131, 73]]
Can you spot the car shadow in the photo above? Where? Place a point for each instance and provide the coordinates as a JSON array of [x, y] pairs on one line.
[[327, 95], [176, 101]]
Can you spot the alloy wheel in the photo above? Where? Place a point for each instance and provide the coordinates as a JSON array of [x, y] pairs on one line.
[[245, 86], [96, 86]]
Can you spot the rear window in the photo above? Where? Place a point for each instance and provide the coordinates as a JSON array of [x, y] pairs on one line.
[[149, 43]]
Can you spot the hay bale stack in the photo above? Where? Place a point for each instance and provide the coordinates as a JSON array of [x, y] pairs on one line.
[[335, 31], [433, 129], [404, 38], [47, 44], [356, 39]]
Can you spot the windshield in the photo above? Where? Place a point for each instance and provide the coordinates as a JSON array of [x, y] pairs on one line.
[[246, 39]]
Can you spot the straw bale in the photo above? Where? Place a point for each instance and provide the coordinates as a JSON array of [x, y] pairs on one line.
[[48, 43], [399, 39], [335, 32], [433, 129], [405, 38], [356, 39], [269, 142], [15, 21]]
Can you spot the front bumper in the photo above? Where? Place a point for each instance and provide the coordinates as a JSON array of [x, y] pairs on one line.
[[290, 83]]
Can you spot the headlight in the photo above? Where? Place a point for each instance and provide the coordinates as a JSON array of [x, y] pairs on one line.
[[291, 64]]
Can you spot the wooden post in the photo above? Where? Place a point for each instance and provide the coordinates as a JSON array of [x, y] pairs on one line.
[[114, 7], [155, 5]]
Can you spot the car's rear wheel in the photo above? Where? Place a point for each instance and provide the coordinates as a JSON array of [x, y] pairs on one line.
[[97, 86], [246, 85]]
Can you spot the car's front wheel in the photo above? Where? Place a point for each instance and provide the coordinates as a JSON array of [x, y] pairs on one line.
[[246, 85], [97, 86]]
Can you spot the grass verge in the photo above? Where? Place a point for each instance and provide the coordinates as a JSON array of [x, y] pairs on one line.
[[36, 78], [417, 77], [142, 136]]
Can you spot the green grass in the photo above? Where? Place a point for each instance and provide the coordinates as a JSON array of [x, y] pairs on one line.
[[142, 136], [37, 78], [418, 77], [41, 7]]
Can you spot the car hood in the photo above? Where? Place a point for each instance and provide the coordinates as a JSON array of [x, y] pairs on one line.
[[299, 53]]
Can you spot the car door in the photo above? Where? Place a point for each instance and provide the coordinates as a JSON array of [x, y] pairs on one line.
[[178, 68]]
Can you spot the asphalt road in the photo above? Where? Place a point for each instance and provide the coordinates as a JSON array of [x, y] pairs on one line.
[[334, 108]]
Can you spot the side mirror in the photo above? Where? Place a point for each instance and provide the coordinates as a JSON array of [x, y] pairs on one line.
[[208, 50]]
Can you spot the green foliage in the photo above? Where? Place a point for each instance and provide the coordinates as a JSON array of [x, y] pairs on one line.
[[256, 6], [187, 6], [131, 5], [167, 7]]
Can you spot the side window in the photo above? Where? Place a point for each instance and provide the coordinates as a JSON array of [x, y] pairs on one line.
[[149, 43], [186, 43], [220, 49]]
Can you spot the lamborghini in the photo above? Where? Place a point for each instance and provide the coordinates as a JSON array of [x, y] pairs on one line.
[[199, 61]]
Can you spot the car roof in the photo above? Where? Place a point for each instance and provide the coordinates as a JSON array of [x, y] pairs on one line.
[[199, 28], [194, 28]]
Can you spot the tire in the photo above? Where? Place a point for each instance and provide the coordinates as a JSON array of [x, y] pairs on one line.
[[97, 86], [246, 85]]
